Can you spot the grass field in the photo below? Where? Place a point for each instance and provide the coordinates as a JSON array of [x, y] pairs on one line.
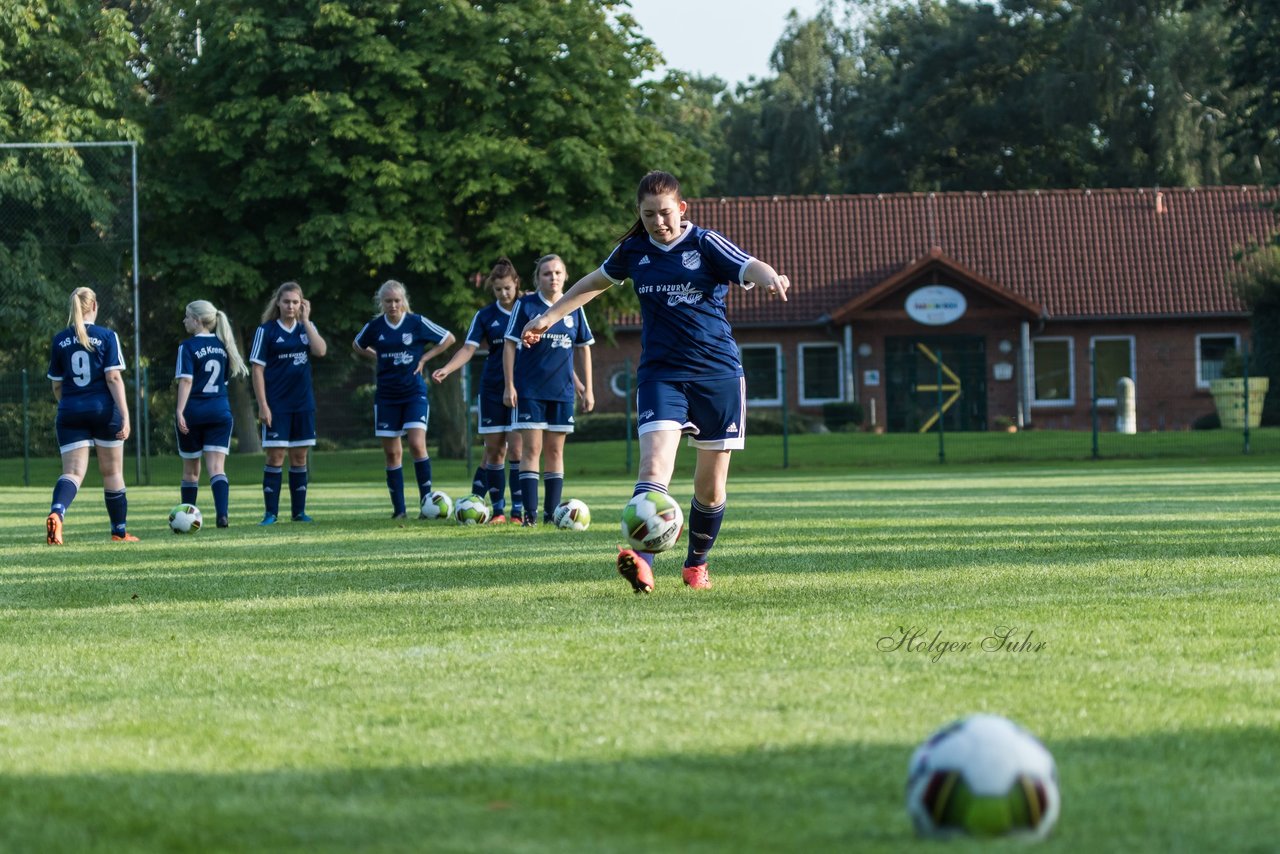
[[369, 685]]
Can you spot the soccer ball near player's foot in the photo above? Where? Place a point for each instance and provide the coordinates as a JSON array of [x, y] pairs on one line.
[[472, 510], [572, 515], [651, 522], [185, 519], [436, 505], [983, 776]]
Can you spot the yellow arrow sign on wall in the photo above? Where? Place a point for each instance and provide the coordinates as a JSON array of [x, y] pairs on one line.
[[953, 386]]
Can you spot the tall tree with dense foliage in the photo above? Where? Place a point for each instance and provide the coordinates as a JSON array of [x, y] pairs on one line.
[[342, 144], [65, 76]]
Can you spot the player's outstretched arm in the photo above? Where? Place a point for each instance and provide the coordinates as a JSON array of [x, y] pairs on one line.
[[583, 291], [768, 278], [460, 358]]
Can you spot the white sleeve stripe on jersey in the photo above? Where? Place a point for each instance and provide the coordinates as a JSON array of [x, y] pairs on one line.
[[436, 328], [728, 251], [255, 354], [607, 276], [118, 366], [474, 331], [510, 335], [742, 275]]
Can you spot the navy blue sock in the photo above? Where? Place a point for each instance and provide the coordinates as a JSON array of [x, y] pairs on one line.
[[221, 489], [513, 483], [479, 481], [189, 491], [64, 492], [496, 481], [297, 490], [422, 472], [648, 486], [529, 491], [554, 483], [704, 527], [395, 486], [272, 481], [117, 509]]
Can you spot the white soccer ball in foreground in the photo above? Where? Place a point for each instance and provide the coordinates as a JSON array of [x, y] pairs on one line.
[[983, 776], [437, 505], [185, 519], [472, 510], [652, 522], [572, 515]]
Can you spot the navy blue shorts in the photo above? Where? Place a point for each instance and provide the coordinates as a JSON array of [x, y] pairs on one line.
[[495, 416], [553, 415], [211, 438], [391, 419], [89, 427], [290, 430], [712, 412]]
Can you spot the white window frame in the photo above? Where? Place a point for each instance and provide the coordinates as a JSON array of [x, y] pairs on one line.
[[1133, 363], [825, 345], [1200, 381], [1071, 372], [777, 373]]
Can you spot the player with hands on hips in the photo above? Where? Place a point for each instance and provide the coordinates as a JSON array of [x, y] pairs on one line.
[[501, 440], [206, 361], [85, 367], [690, 378], [401, 343], [541, 386], [280, 365]]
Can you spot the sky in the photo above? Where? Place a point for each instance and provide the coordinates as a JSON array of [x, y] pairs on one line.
[[731, 39]]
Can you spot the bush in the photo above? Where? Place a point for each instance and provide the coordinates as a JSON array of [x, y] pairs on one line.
[[1207, 422], [600, 427], [769, 423], [842, 416]]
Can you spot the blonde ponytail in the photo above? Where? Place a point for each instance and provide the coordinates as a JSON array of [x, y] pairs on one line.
[[82, 299], [213, 320], [222, 328]]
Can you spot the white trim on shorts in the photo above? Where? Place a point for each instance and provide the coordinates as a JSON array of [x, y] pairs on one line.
[[83, 443], [396, 434], [305, 443], [207, 449]]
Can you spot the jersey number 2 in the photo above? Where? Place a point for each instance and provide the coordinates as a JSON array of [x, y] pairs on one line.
[[213, 369]]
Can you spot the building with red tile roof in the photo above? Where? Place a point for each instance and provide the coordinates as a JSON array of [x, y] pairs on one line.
[[1011, 301]]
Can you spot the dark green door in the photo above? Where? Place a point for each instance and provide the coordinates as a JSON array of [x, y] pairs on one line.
[[913, 367]]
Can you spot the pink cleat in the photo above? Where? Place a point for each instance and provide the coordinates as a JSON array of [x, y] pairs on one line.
[[635, 570], [696, 577]]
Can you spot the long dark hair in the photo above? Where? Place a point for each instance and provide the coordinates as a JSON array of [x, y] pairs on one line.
[[654, 184]]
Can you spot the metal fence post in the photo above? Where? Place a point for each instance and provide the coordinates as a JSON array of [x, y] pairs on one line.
[[26, 430], [1093, 395], [1245, 361], [942, 446], [466, 414], [627, 426]]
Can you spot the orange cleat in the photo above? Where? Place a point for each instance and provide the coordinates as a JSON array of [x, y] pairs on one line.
[[124, 538], [517, 519], [500, 519], [696, 577], [635, 570], [53, 530]]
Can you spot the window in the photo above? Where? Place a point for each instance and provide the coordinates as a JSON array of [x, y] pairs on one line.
[[1053, 361], [1211, 356], [762, 364], [1112, 359], [821, 374]]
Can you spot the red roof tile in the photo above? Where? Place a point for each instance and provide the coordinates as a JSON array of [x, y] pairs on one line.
[[1076, 253]]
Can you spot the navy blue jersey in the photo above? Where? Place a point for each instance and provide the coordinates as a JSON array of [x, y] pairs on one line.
[[203, 360], [489, 329], [399, 348], [682, 287], [285, 354], [83, 373], [545, 370]]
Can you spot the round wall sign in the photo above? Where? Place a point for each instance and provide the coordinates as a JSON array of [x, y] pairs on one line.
[[936, 305]]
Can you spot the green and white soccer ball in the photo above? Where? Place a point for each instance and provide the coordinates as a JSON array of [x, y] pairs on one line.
[[572, 515], [472, 510], [185, 519], [652, 522], [437, 505], [983, 776]]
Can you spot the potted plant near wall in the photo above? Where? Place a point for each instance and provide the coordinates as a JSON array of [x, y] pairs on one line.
[[1229, 394]]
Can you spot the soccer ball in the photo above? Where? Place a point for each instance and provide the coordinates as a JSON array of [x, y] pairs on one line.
[[652, 522], [437, 505], [572, 515], [472, 510], [185, 519], [984, 776]]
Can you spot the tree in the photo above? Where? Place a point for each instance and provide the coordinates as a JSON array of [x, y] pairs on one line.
[[342, 144], [65, 76]]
